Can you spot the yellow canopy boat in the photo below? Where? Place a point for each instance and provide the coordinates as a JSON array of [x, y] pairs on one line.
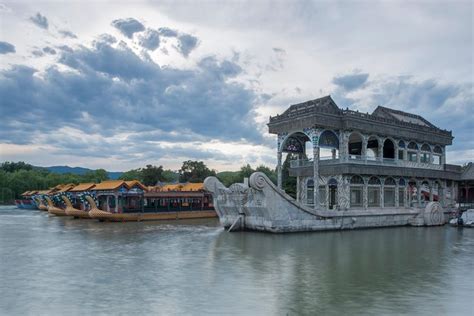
[[53, 209], [71, 211]]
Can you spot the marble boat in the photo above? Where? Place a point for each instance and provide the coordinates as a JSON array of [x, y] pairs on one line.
[[261, 206], [352, 170]]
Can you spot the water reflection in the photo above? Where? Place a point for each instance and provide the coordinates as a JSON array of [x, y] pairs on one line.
[[59, 265]]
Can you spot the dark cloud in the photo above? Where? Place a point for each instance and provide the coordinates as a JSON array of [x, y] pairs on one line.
[[167, 32], [112, 90], [352, 81], [49, 50], [186, 43], [65, 33], [40, 21], [128, 26], [150, 39], [6, 48], [37, 53]]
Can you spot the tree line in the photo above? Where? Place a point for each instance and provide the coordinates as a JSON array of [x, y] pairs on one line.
[[18, 177]]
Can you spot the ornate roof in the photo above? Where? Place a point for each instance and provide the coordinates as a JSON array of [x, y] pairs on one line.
[[401, 116], [82, 187], [136, 183], [321, 105], [109, 185], [468, 172]]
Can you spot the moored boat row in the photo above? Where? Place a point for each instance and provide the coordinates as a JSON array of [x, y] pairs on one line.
[[120, 201]]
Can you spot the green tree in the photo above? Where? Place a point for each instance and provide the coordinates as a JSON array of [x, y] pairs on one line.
[[194, 171], [270, 173], [170, 176], [151, 175], [228, 177], [10, 166], [134, 174], [96, 176]]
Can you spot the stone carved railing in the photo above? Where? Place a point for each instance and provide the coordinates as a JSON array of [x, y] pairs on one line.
[[299, 163]]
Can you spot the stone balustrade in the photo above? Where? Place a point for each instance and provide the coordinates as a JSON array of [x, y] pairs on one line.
[[367, 161]]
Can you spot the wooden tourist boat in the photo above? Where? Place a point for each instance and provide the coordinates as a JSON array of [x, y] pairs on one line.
[[71, 211], [27, 201], [40, 205], [133, 202], [53, 209]]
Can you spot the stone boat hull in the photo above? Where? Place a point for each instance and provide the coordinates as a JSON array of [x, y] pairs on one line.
[[261, 206]]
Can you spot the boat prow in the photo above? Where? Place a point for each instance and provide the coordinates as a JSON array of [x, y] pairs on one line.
[[72, 211]]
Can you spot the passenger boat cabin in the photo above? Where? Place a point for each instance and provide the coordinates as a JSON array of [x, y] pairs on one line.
[[178, 197]]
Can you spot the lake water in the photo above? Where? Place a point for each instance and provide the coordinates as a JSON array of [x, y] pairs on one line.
[[62, 266]]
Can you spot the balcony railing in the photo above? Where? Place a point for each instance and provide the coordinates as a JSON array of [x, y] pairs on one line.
[[354, 159]]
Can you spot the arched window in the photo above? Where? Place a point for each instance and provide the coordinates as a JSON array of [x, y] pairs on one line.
[[389, 182], [412, 151], [372, 148], [437, 153], [332, 193], [357, 184], [388, 149], [425, 192], [357, 180], [329, 145], [389, 192], [374, 181], [355, 146], [401, 148], [425, 153], [374, 192]]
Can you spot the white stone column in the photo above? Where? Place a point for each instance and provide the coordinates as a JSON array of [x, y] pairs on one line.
[[397, 189], [116, 203], [418, 154], [365, 195], [364, 148], [343, 146], [279, 169], [316, 173], [380, 142], [395, 154], [418, 192], [382, 198]]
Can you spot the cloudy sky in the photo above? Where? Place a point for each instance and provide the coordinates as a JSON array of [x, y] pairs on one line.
[[106, 85]]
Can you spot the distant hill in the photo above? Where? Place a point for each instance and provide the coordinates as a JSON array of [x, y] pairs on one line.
[[80, 170]]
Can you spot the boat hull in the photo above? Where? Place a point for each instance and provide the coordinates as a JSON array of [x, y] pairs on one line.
[[161, 216], [76, 213], [56, 211], [261, 206]]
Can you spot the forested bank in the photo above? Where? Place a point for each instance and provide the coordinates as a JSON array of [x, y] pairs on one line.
[[18, 177]]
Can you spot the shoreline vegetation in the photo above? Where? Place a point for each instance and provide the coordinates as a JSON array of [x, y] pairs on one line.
[[18, 177]]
